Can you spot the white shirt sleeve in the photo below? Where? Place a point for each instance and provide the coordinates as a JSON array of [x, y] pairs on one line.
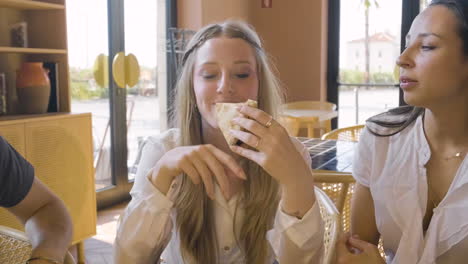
[[145, 227], [362, 161], [296, 240]]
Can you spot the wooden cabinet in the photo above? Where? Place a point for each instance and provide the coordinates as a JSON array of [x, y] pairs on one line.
[[58, 145], [60, 149], [47, 42]]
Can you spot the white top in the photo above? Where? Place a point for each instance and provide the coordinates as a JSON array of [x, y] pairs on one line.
[[147, 225], [394, 170]]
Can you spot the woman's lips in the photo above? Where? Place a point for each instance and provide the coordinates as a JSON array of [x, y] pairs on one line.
[[407, 83]]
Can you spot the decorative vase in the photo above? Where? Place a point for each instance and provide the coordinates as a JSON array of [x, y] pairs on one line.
[[33, 88]]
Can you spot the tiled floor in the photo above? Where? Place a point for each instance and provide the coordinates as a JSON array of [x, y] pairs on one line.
[[98, 249]]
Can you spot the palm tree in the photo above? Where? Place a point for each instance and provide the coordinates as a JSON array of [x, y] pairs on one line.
[[367, 6]]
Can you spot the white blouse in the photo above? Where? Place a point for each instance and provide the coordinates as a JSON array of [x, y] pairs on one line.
[[147, 227], [394, 170]]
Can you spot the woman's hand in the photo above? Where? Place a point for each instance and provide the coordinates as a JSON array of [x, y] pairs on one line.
[[201, 163], [350, 249], [276, 153], [278, 156]]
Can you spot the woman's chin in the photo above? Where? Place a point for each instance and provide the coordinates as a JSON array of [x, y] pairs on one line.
[[413, 100]]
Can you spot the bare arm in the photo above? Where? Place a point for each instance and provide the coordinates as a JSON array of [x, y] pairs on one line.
[[363, 215], [47, 222]]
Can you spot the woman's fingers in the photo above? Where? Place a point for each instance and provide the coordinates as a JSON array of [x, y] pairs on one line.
[[361, 244], [217, 169], [250, 125], [256, 114], [247, 138], [341, 247], [191, 171], [228, 161], [254, 156], [204, 173]]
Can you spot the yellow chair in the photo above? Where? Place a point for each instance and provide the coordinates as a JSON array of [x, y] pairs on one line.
[[295, 116], [16, 249], [331, 219], [345, 134]]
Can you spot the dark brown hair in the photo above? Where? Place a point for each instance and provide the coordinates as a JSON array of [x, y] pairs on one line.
[[396, 120]]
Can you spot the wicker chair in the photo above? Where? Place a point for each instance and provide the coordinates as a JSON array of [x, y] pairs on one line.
[[16, 249], [340, 187], [345, 134], [331, 219]]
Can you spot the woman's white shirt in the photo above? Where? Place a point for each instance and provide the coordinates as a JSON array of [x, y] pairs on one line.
[[146, 228], [394, 170]]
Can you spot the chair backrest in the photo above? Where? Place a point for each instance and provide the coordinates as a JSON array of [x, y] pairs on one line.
[[345, 134], [16, 249], [314, 105], [340, 188], [331, 219]]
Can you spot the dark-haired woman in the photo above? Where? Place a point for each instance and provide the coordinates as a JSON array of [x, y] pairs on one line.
[[411, 167]]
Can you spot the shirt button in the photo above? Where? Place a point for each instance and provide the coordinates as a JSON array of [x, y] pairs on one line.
[[226, 248]]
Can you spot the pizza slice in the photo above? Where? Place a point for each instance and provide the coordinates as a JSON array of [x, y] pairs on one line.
[[225, 112]]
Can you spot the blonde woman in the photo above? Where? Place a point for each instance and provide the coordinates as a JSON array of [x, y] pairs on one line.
[[198, 200]]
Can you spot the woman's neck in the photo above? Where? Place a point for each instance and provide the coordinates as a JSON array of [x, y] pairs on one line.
[[446, 127]]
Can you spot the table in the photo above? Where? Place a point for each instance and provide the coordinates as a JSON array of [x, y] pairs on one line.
[[332, 162], [322, 115], [294, 119], [330, 155]]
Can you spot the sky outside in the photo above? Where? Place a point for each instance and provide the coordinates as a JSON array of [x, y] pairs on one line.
[[87, 23], [87, 27]]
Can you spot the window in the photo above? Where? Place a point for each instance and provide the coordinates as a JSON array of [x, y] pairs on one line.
[[356, 104]]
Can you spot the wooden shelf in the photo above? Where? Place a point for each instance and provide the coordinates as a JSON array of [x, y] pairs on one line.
[[30, 4], [14, 119], [31, 50]]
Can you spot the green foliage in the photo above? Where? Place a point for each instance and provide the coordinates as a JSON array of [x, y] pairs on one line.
[[382, 77], [368, 3], [81, 85], [352, 76]]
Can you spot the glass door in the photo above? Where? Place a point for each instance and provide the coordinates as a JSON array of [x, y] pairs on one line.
[[365, 37], [114, 73], [88, 46], [142, 99], [369, 47]]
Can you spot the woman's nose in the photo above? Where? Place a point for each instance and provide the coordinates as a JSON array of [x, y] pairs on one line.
[[404, 60], [225, 85]]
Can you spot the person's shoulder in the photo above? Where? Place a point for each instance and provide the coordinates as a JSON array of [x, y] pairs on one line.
[[6, 150], [3, 144], [169, 138]]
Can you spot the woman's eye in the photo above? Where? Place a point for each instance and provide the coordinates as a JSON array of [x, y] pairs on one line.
[[427, 47], [208, 76], [242, 75]]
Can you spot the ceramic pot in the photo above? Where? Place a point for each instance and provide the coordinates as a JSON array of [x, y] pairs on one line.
[[33, 88]]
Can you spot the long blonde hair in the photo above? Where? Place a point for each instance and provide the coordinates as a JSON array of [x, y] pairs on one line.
[[195, 218]]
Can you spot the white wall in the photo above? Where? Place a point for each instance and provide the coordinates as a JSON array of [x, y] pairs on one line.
[[384, 63]]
